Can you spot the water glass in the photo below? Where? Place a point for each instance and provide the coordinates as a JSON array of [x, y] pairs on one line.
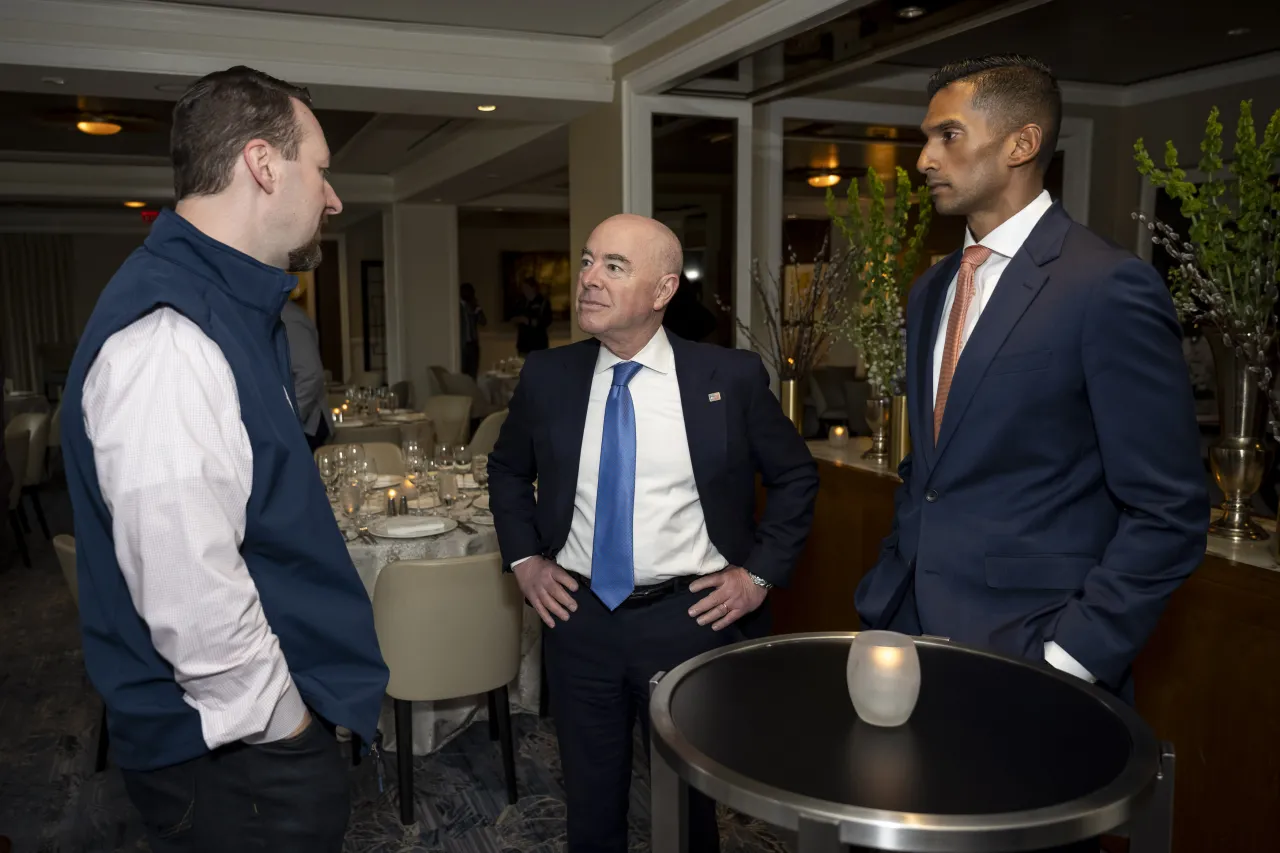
[[462, 458], [351, 497], [480, 469], [327, 463], [444, 456]]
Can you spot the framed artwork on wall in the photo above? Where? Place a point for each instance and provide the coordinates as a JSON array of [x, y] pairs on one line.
[[550, 271]]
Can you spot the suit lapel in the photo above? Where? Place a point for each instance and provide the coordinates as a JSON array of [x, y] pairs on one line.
[[568, 438], [934, 298], [704, 418], [1019, 284]]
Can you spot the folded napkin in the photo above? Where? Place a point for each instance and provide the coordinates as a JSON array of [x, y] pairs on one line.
[[408, 525], [388, 481]]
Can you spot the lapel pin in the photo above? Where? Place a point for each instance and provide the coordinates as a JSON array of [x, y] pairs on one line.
[[713, 398]]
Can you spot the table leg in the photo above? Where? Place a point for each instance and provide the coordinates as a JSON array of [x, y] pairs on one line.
[[1151, 830], [669, 800], [819, 836]]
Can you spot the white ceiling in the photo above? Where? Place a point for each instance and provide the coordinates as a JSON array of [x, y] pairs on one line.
[[587, 18]]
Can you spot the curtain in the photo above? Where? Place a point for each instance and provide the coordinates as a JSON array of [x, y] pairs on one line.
[[35, 303]]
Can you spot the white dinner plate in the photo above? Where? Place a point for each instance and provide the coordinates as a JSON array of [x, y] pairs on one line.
[[484, 519], [411, 526], [481, 502]]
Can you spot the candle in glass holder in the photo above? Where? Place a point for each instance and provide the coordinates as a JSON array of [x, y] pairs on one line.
[[337, 416], [838, 437], [391, 502], [883, 677]]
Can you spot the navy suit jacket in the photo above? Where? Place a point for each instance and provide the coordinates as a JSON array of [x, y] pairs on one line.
[[731, 438], [1065, 498]]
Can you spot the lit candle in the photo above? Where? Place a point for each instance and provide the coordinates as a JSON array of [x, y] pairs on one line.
[[391, 502], [838, 437], [883, 677], [337, 416]]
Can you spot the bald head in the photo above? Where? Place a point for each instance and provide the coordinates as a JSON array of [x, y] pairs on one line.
[[630, 270]]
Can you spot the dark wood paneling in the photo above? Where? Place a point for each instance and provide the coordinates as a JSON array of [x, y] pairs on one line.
[[1208, 680]]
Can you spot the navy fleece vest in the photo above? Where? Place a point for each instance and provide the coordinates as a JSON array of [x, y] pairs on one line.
[[311, 595]]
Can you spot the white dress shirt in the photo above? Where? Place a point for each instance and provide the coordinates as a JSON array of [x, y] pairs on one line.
[[175, 468], [1004, 242], [670, 531]]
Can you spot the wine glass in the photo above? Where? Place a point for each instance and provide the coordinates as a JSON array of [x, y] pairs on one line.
[[444, 456], [462, 458], [480, 469], [367, 472], [415, 463], [327, 463]]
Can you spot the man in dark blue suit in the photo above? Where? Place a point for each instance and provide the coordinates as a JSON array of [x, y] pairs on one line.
[[641, 549], [1054, 497]]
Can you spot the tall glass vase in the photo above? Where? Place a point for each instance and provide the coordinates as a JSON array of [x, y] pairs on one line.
[[1238, 458], [878, 413], [792, 402]]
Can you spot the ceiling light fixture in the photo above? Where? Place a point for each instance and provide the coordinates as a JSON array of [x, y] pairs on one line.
[[1238, 31], [135, 204], [98, 128], [486, 108], [53, 81], [823, 180], [911, 12]]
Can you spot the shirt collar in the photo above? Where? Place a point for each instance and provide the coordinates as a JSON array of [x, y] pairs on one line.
[[1009, 236], [656, 355]]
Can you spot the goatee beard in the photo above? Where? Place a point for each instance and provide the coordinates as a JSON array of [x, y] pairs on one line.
[[307, 257]]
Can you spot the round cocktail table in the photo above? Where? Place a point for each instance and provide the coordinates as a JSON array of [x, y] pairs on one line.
[[999, 755]]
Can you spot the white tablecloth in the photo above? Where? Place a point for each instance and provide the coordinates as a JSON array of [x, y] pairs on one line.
[[435, 723]]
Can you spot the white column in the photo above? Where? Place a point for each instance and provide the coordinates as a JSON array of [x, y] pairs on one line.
[[421, 269]]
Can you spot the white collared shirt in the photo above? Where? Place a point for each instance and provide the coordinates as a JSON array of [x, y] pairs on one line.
[[175, 469], [1004, 242], [670, 531]]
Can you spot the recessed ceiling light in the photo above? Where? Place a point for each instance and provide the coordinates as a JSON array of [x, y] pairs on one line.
[[437, 200], [135, 204], [791, 216], [98, 128], [498, 209], [911, 12], [177, 88], [1238, 31], [53, 81], [486, 108], [823, 180]]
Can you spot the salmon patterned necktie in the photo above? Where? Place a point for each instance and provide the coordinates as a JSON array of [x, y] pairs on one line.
[[974, 257]]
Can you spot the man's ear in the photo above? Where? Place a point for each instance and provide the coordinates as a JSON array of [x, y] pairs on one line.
[[1026, 145], [667, 287], [259, 158]]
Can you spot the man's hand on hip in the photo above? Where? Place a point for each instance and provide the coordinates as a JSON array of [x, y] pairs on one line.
[[732, 596], [546, 587]]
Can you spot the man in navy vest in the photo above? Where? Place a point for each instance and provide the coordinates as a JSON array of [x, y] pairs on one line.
[[223, 622]]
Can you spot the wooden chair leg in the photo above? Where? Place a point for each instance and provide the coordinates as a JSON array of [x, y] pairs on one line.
[[493, 715], [34, 497], [404, 757], [22, 518], [20, 538], [501, 699], [100, 763]]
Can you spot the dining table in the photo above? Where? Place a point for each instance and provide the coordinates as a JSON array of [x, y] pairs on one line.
[[436, 723]]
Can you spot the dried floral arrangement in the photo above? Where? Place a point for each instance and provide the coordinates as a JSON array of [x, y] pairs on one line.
[[884, 255], [1227, 270], [798, 321]]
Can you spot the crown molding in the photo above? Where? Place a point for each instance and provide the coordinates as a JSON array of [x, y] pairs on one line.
[[1100, 95], [185, 41], [655, 23]]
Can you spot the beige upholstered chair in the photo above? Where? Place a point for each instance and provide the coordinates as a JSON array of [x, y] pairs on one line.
[[16, 448], [402, 390], [487, 433], [448, 629], [35, 425], [451, 415], [54, 452], [386, 456], [65, 547], [423, 432]]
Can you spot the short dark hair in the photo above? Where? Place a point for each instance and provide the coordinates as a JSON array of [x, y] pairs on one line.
[[1016, 89], [218, 115]]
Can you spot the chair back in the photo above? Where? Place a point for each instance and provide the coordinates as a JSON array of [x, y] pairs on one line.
[[401, 392], [487, 433], [451, 415], [448, 628], [31, 428], [65, 546], [423, 432], [54, 440], [366, 434], [16, 448], [386, 456]]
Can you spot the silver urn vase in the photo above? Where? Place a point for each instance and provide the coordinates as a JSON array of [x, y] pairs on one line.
[[878, 411], [1238, 458]]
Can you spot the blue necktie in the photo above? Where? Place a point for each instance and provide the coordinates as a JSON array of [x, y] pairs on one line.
[[612, 554]]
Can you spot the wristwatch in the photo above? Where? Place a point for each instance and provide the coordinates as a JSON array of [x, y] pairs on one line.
[[759, 581]]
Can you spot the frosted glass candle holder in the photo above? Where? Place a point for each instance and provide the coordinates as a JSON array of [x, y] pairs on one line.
[[838, 436], [884, 677]]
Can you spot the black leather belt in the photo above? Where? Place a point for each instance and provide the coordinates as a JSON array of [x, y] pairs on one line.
[[644, 594]]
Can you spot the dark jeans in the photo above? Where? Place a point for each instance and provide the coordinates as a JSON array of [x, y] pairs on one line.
[[290, 796], [598, 670]]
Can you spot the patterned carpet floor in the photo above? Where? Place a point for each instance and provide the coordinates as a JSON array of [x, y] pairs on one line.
[[52, 802]]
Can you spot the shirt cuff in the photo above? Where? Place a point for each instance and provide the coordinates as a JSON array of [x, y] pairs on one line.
[[1057, 657], [285, 719], [515, 563]]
